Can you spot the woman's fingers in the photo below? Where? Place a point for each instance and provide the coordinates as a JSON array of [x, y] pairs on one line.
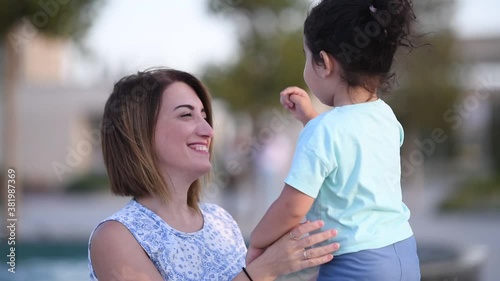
[[293, 250], [316, 261], [318, 252], [311, 257], [318, 255], [307, 227], [317, 238]]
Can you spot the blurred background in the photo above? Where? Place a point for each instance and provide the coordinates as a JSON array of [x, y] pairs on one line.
[[59, 60]]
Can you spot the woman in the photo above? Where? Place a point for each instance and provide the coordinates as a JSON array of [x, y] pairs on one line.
[[156, 140]]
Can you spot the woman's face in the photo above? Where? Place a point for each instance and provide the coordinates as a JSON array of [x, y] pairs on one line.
[[182, 135]]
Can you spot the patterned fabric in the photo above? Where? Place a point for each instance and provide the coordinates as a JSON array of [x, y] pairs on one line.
[[215, 252]]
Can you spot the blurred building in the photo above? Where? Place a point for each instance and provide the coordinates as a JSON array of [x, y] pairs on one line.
[[55, 118]]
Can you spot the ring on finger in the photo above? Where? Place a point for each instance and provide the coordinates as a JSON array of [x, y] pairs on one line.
[[293, 236], [305, 254]]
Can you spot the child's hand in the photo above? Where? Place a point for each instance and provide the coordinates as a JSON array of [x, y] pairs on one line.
[[253, 253], [298, 102]]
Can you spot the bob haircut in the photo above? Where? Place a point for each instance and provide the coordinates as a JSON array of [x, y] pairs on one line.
[[128, 128]]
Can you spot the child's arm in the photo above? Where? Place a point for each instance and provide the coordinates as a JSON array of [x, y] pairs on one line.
[[284, 214], [298, 102]]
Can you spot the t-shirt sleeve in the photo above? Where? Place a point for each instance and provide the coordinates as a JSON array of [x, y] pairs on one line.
[[401, 135], [313, 161]]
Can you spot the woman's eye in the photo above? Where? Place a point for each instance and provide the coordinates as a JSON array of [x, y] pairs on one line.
[[186, 115]]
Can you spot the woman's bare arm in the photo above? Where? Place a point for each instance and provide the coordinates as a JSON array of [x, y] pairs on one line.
[[116, 255]]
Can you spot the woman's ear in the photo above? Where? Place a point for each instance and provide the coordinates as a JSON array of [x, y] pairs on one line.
[[328, 64]]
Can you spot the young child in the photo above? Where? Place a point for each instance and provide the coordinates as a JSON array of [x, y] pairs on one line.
[[346, 167]]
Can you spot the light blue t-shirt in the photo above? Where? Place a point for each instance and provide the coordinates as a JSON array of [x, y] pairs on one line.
[[348, 159]]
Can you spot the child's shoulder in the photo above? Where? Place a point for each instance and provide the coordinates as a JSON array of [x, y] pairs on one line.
[[325, 124], [331, 120]]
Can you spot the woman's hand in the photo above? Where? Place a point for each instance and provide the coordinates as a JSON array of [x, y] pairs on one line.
[[298, 102], [253, 253], [291, 252]]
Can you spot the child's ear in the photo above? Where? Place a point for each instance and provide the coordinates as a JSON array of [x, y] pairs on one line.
[[328, 63]]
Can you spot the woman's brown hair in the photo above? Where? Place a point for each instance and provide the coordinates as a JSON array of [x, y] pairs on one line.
[[128, 128]]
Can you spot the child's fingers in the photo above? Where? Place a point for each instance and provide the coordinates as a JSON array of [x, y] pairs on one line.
[[287, 94], [285, 100], [295, 98], [293, 90]]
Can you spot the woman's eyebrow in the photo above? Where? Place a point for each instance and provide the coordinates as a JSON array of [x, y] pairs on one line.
[[185, 105], [190, 107]]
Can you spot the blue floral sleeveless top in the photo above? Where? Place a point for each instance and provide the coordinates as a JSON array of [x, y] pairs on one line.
[[215, 252]]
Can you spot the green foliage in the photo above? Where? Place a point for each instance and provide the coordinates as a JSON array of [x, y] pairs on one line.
[[495, 135], [428, 88], [479, 194], [268, 62], [270, 58], [61, 18], [249, 7], [88, 183], [262, 72]]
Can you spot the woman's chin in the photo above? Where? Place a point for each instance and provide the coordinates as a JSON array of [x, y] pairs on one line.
[[205, 170]]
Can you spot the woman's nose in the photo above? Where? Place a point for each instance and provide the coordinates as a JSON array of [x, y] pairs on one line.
[[204, 129]]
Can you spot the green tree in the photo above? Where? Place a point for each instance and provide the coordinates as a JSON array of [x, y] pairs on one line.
[[495, 136], [270, 55], [270, 58], [427, 79], [427, 91], [62, 18]]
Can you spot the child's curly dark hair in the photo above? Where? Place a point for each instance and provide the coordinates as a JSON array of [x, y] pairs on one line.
[[363, 36]]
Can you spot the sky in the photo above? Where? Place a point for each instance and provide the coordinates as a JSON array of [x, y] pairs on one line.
[[127, 36], [179, 34]]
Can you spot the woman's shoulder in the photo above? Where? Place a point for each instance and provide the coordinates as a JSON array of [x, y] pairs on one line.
[[131, 211], [114, 225], [109, 231], [107, 238], [216, 211], [118, 223], [212, 208], [218, 221], [113, 246]]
